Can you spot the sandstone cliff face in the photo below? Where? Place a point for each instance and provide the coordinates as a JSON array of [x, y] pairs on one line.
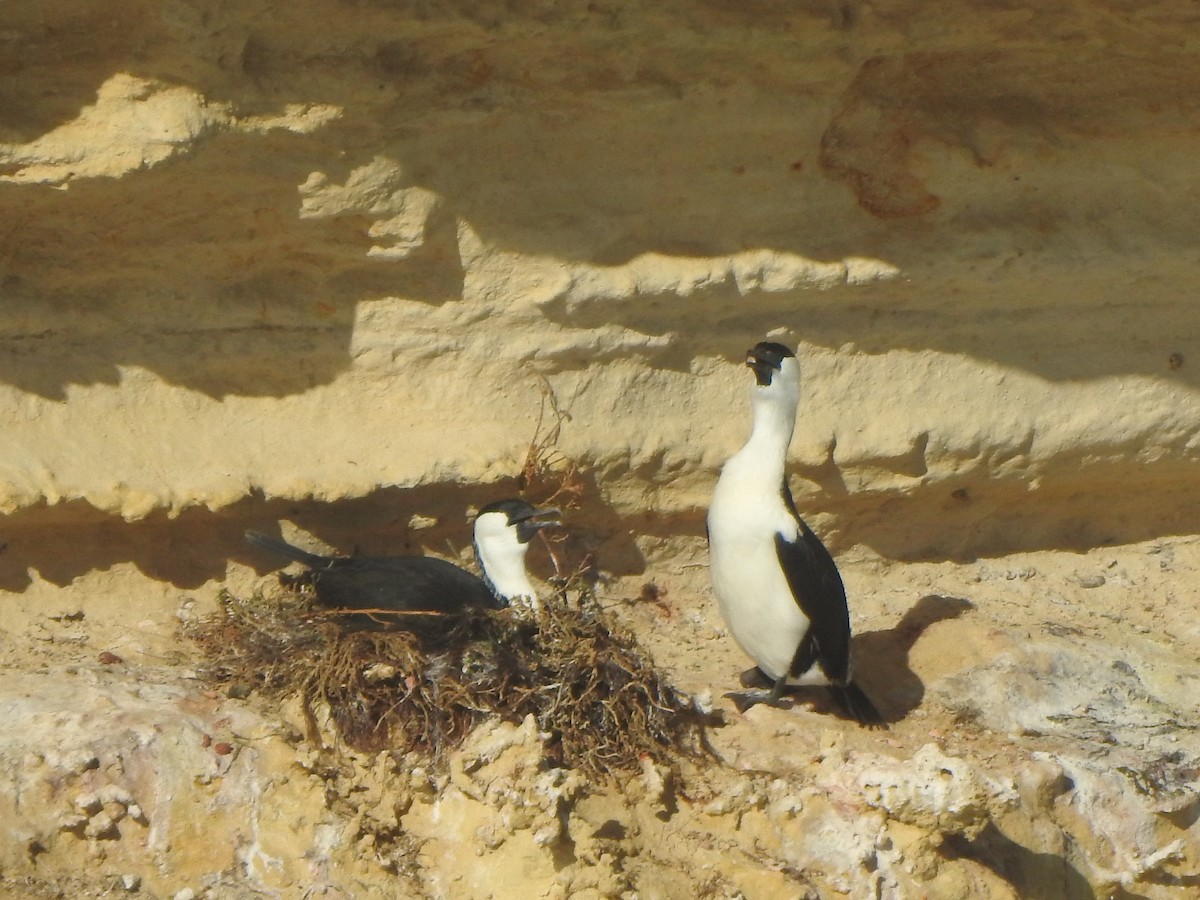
[[332, 262]]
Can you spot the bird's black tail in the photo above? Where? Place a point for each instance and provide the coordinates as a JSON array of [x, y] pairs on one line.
[[282, 548], [857, 705]]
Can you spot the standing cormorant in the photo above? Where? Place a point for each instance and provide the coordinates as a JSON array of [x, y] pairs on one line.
[[776, 584]]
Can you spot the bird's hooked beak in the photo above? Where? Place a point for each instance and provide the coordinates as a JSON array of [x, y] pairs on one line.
[[763, 369], [527, 524]]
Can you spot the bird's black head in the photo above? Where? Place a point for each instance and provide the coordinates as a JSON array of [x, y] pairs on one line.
[[522, 516], [765, 359]]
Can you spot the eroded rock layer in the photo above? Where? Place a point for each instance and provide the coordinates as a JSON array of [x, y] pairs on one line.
[[338, 264]]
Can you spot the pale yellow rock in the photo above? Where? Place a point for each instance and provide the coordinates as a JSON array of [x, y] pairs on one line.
[[328, 267]]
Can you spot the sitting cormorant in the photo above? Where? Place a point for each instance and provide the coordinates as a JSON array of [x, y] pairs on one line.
[[503, 530]]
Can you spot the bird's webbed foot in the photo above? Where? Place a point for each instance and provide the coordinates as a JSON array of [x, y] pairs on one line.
[[757, 678], [744, 700]]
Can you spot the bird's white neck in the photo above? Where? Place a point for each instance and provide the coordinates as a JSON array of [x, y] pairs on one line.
[[503, 566], [763, 456]]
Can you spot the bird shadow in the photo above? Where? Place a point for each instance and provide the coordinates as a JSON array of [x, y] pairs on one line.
[[882, 668], [1035, 875], [882, 657]]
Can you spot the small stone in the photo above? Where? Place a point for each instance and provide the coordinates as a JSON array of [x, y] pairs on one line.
[[101, 825], [72, 822], [1091, 581], [87, 762], [184, 894], [239, 690], [114, 793], [131, 883]]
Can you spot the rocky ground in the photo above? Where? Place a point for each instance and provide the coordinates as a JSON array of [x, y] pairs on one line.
[[1026, 757]]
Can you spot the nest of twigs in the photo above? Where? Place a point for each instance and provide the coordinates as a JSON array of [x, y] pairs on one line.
[[422, 681]]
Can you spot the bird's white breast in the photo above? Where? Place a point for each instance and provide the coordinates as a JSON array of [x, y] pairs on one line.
[[752, 591]]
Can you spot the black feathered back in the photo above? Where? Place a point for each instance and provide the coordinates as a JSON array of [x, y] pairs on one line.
[[398, 583], [817, 586]]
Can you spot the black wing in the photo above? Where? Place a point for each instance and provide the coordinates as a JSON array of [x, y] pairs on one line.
[[817, 586], [400, 583], [385, 582]]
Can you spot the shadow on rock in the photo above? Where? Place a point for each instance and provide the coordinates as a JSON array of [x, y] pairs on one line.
[[881, 665], [66, 541], [1034, 875], [881, 657]]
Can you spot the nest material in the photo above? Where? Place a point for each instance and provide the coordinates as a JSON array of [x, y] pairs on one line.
[[423, 681]]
